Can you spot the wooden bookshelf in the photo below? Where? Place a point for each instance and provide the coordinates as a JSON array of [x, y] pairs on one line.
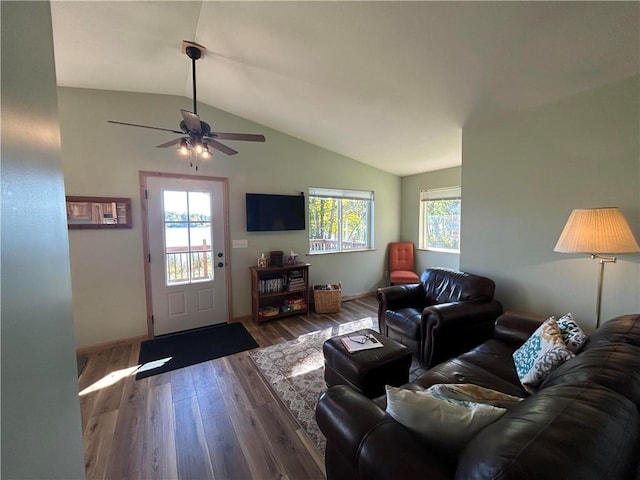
[[277, 292]]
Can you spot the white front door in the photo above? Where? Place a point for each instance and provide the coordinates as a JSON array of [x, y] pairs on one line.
[[187, 258]]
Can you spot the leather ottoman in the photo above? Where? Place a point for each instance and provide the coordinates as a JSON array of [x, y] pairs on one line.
[[366, 371]]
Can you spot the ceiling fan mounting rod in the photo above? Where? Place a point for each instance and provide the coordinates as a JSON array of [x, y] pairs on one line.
[[194, 53]]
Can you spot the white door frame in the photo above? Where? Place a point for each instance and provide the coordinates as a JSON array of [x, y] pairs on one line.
[[143, 175]]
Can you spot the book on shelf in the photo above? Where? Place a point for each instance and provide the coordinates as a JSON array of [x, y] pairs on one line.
[[292, 307], [269, 311], [357, 343], [271, 285], [294, 301], [296, 280]]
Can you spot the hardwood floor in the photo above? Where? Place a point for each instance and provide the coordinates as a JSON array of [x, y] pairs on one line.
[[214, 420]]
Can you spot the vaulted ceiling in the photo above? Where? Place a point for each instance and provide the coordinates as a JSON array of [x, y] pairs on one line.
[[390, 84]]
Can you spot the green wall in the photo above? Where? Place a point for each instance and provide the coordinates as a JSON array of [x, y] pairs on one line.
[[102, 159], [410, 229], [522, 176], [41, 428]]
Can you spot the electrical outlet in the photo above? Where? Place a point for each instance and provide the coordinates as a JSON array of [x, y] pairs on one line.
[[240, 244]]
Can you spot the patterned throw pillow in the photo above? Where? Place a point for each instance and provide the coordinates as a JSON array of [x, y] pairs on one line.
[[469, 392], [437, 419], [541, 354], [572, 335]]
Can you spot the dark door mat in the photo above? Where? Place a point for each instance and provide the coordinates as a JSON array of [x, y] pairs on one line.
[[170, 352]]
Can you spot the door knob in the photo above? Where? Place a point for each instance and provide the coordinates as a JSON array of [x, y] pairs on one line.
[[220, 264]]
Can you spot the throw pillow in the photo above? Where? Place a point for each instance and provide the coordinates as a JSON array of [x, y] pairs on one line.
[[572, 335], [439, 420], [541, 354], [469, 392]]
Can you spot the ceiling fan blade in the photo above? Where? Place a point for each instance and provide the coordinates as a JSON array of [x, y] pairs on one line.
[[145, 126], [221, 147], [247, 137], [192, 121], [172, 142]]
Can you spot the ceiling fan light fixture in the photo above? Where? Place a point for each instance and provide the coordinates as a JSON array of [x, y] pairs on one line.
[[205, 152], [183, 149]]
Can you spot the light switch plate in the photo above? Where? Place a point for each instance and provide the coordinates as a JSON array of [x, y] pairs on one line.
[[240, 244]]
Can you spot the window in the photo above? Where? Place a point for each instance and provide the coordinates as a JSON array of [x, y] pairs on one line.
[[340, 220], [187, 233], [440, 219]]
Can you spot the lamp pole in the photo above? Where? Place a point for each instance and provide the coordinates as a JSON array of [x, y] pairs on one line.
[[602, 259]]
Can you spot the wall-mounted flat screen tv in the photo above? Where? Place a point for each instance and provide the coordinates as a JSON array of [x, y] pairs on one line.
[[268, 213]]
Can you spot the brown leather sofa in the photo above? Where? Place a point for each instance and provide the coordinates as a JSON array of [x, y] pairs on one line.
[[583, 422], [443, 315]]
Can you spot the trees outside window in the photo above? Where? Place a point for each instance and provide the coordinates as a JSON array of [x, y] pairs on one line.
[[340, 220], [440, 219]]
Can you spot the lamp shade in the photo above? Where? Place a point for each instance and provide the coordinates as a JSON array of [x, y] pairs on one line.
[[597, 230]]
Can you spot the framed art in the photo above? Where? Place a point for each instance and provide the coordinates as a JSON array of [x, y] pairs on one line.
[[98, 212]]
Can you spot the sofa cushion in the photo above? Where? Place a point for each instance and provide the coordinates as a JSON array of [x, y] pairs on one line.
[[439, 419], [542, 353], [405, 320], [458, 370], [496, 358], [572, 335], [625, 329], [616, 367], [403, 276], [567, 431]]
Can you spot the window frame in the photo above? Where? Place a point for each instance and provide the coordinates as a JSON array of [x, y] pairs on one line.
[[340, 194], [437, 194]]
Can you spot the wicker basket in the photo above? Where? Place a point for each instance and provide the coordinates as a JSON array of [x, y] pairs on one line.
[[326, 298]]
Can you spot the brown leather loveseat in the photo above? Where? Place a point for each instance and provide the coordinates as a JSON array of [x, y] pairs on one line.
[[441, 316], [582, 423]]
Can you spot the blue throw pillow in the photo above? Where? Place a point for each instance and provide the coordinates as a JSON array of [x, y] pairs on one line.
[[541, 354], [572, 335]]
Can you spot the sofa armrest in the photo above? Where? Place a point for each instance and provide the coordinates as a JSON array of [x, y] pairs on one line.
[[391, 451], [370, 442], [516, 327], [453, 328], [397, 297], [345, 417]]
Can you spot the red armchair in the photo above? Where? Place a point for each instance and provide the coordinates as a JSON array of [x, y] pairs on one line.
[[401, 263]]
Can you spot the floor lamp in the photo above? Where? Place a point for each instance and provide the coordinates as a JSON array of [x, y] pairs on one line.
[[597, 231]]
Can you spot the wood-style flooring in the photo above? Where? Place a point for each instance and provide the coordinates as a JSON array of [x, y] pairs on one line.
[[214, 420]]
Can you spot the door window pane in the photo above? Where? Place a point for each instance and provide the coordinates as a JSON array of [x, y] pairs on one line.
[[187, 231], [199, 206], [175, 206]]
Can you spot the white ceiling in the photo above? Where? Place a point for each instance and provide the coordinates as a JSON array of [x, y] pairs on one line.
[[390, 84]]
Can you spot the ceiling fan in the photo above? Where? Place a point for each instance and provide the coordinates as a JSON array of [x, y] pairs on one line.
[[196, 135]]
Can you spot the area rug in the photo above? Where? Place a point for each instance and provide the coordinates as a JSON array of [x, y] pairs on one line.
[[295, 372], [179, 350]]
